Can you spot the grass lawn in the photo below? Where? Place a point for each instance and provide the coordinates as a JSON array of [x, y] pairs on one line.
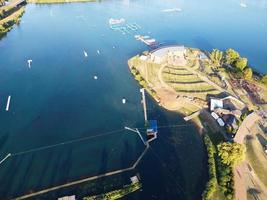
[[257, 159]]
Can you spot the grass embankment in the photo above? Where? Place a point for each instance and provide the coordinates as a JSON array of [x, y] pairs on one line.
[[116, 194], [58, 1], [7, 23], [138, 77], [257, 158]]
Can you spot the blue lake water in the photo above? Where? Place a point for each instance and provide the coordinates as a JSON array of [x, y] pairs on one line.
[[58, 99]]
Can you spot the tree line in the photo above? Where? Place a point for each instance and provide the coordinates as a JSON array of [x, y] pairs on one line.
[[238, 65], [221, 160]]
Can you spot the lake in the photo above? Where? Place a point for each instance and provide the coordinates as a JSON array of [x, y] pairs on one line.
[[58, 100]]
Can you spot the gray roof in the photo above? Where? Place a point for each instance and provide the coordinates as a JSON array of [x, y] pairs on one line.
[[164, 50]]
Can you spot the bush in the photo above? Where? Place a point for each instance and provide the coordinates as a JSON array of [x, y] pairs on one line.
[[212, 183]]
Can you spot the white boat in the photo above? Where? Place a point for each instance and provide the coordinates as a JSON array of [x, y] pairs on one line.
[[124, 101], [85, 54], [146, 37], [243, 5], [95, 77], [172, 10], [151, 40], [116, 21], [98, 52], [29, 63]]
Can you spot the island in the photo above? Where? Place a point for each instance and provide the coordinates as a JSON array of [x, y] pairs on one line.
[[221, 94]]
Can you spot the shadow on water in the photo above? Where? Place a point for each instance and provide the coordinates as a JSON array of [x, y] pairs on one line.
[[104, 161], [8, 177], [172, 169], [3, 140]]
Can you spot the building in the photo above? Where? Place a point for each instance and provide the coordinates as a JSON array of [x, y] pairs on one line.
[[67, 198], [215, 104], [162, 55]]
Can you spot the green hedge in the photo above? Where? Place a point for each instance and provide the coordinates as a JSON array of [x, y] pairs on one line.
[[211, 185]]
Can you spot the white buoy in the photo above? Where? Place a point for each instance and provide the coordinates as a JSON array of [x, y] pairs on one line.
[[85, 53], [29, 63], [124, 101], [8, 102], [98, 52], [95, 77]]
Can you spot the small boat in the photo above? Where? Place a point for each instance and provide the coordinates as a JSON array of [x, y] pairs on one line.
[[29, 63], [151, 40], [85, 54], [95, 77], [116, 21], [243, 5], [98, 52], [124, 101], [172, 10]]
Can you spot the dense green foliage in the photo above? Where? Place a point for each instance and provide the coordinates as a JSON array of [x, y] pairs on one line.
[[211, 186], [241, 63], [231, 56], [226, 179], [264, 79], [216, 57], [117, 194], [7, 23], [248, 73], [2, 2], [231, 153]]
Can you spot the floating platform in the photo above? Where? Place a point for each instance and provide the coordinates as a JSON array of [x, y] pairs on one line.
[[152, 130]]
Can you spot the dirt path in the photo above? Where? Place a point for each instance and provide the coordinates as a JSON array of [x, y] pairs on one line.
[[243, 130]]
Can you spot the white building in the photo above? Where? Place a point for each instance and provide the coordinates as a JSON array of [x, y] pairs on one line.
[[162, 54]]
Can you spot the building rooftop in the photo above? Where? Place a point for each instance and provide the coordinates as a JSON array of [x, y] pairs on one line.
[[164, 50]]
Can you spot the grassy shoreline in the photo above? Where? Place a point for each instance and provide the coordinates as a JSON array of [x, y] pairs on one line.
[[7, 23]]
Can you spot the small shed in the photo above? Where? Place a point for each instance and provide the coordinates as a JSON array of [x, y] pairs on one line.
[[215, 103]]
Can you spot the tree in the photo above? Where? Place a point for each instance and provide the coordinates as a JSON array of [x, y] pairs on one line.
[[231, 153], [231, 56], [241, 63], [216, 57], [2, 2], [264, 79], [248, 73]]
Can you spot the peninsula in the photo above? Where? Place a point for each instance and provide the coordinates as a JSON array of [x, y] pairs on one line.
[[219, 92]]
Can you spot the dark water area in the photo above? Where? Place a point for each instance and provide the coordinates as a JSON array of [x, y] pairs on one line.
[[58, 101]]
